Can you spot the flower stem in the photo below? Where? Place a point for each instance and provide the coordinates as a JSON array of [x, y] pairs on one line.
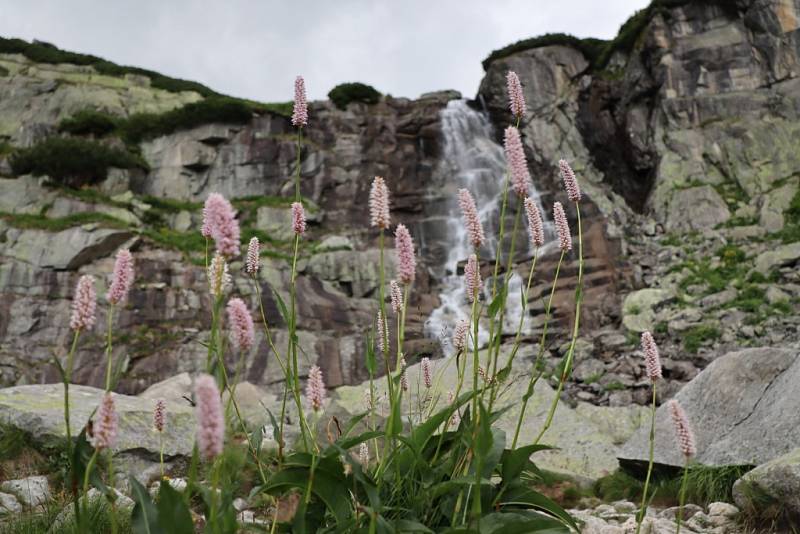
[[109, 351], [640, 516], [571, 352], [682, 498], [67, 376]]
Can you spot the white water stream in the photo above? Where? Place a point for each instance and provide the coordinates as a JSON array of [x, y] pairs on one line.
[[473, 160]]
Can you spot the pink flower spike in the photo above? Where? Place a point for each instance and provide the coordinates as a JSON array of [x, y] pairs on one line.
[[218, 277], [683, 431], [570, 182], [382, 334], [300, 111], [651, 358], [379, 204], [160, 415], [460, 335], [241, 325], [122, 279], [253, 257], [471, 218], [562, 226], [219, 220], [84, 304], [472, 278], [298, 218], [396, 296], [210, 419], [516, 100], [404, 248], [427, 372], [315, 388], [104, 427], [363, 454], [535, 224], [403, 377], [517, 165]]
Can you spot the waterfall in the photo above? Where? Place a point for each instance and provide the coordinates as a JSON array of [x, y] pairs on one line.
[[472, 159]]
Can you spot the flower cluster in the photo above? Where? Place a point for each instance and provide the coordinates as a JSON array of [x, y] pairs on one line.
[[406, 260], [298, 218], [396, 296], [472, 278], [241, 325], [104, 425], [218, 277], [219, 223], [379, 204], [570, 183], [516, 100], [535, 224], [210, 419], [471, 218], [253, 262], [160, 415], [683, 431], [315, 388], [122, 279], [84, 304], [300, 110], [651, 358], [427, 372], [517, 165], [562, 227], [460, 335]]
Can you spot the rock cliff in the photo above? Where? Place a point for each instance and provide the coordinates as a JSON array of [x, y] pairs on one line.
[[683, 138]]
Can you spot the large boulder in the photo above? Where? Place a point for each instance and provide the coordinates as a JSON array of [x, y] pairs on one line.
[[64, 250], [39, 411], [743, 408], [776, 482]]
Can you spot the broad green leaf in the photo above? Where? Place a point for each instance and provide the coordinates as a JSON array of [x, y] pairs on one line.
[[276, 428], [282, 308], [514, 461], [484, 438], [349, 443], [520, 523], [498, 302], [144, 518], [324, 486], [173, 513], [519, 495], [406, 525], [371, 360], [422, 433]]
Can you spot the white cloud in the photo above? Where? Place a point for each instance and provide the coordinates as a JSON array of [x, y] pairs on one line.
[[254, 48]]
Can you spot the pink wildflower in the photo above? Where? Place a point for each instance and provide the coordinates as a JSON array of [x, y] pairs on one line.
[[122, 279], [570, 182], [403, 377], [515, 158], [298, 218], [460, 335], [300, 111], [84, 304], [651, 358], [427, 372], [396, 296], [219, 219], [683, 431], [406, 261], [253, 256], [516, 100], [315, 388], [562, 226], [363, 454], [241, 325], [210, 419], [160, 415], [379, 204], [104, 427], [535, 225], [472, 278], [218, 277], [471, 219], [382, 334]]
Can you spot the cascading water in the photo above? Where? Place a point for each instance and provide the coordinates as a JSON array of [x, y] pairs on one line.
[[473, 160]]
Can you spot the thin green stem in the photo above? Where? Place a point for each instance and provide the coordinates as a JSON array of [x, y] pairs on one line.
[[86, 474], [293, 341], [67, 376], [161, 453], [535, 374], [571, 352], [109, 350], [682, 498], [640, 516]]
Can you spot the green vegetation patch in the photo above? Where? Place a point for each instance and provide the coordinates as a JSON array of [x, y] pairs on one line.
[[89, 122], [345, 93], [698, 335], [42, 52], [29, 221], [72, 162], [3, 71]]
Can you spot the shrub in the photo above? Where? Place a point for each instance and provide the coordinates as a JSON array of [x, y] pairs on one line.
[[344, 93], [89, 122], [142, 126], [694, 338], [592, 49], [72, 162]]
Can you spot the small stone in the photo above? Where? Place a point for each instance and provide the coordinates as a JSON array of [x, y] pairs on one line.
[[689, 510], [624, 507], [9, 504], [31, 491], [775, 295], [722, 509], [239, 504]]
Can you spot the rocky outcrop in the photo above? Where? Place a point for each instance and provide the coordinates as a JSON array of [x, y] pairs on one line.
[[775, 484], [742, 407]]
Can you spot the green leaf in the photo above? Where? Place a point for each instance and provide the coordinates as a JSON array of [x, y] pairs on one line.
[[324, 486], [514, 461], [371, 360], [256, 437], [276, 428], [60, 368], [349, 443], [144, 518], [407, 525], [422, 433], [173, 513], [282, 308], [520, 495], [484, 438], [498, 302], [519, 523]]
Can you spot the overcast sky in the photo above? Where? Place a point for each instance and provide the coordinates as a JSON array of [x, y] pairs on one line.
[[255, 48]]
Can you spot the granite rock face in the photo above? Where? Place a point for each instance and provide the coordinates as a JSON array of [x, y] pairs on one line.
[[778, 480], [742, 407]]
